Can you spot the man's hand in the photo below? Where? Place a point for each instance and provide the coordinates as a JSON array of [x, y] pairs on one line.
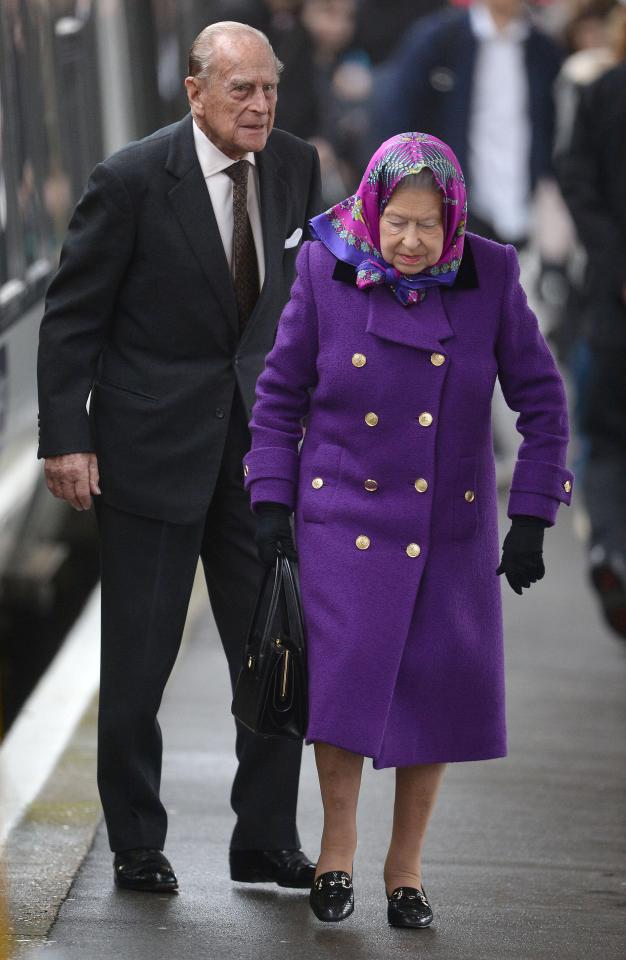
[[73, 477]]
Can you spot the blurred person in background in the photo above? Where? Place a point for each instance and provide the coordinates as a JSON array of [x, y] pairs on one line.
[[589, 39], [177, 262], [593, 180], [481, 79], [342, 80], [381, 24]]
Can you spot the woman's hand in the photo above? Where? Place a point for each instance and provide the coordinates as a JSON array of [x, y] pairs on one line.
[[274, 532], [522, 553]]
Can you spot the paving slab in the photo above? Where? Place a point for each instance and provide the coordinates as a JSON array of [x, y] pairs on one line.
[[525, 857]]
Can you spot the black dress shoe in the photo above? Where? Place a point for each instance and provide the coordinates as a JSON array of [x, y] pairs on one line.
[[332, 896], [409, 907], [609, 580], [144, 869], [287, 868]]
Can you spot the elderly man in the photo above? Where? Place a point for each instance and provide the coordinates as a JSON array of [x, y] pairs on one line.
[[177, 263]]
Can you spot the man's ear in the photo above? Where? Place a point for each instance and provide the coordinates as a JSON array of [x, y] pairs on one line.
[[193, 96]]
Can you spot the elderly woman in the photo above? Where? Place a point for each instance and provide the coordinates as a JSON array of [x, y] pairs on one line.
[[397, 327]]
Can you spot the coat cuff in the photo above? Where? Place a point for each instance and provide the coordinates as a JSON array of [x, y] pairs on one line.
[[68, 435], [271, 474], [273, 491], [537, 489]]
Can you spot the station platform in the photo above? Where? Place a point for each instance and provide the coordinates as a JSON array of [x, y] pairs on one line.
[[524, 858]]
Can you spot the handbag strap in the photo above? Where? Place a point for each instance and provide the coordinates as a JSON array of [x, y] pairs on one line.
[[293, 604]]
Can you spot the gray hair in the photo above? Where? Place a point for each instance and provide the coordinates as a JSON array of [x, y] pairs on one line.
[[203, 51], [424, 180]]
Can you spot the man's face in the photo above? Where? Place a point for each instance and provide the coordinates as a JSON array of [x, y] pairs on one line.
[[236, 104]]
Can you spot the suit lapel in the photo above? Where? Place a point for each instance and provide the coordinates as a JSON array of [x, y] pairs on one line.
[[273, 193], [192, 205]]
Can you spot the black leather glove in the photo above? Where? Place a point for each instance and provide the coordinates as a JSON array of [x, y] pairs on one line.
[[273, 532], [522, 553]]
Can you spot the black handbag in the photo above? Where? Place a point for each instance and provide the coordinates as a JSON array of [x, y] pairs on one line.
[[271, 691]]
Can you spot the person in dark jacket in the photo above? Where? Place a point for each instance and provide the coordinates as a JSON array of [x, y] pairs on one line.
[[591, 174], [481, 80], [177, 262]]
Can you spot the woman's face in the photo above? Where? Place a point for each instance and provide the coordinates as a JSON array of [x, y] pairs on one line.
[[411, 230]]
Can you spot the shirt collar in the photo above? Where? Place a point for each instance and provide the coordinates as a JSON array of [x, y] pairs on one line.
[[210, 157], [484, 28]]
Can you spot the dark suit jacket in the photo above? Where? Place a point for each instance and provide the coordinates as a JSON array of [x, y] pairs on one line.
[[142, 312], [430, 86], [591, 175]]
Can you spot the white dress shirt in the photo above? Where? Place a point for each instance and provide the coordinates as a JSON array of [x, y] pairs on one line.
[[213, 164], [499, 132]]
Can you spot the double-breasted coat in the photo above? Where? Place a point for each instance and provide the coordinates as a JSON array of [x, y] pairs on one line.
[[395, 496]]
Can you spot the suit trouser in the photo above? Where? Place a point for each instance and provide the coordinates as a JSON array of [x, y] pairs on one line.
[[604, 423], [148, 568]]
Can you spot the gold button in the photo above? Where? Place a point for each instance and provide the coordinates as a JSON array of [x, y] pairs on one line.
[[413, 550], [470, 496], [371, 486], [567, 486], [421, 485], [425, 419], [246, 469], [437, 359], [371, 419], [317, 483], [362, 543], [359, 360]]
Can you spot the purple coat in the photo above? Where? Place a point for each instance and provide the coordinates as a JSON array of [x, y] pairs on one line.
[[395, 495]]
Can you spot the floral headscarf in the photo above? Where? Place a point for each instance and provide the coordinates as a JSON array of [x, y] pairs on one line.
[[351, 232]]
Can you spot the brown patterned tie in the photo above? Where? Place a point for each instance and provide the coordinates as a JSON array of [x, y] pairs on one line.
[[244, 264]]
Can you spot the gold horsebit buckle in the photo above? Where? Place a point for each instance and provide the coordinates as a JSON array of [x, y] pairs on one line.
[[344, 882], [405, 892]]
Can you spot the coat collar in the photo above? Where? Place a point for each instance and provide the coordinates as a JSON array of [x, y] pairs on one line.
[[424, 326], [192, 204]]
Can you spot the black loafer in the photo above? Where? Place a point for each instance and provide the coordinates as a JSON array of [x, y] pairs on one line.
[[409, 907], [287, 868], [146, 870], [332, 896]]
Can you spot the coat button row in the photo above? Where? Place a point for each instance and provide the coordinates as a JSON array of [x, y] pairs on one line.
[[363, 543], [425, 419], [359, 359], [371, 486]]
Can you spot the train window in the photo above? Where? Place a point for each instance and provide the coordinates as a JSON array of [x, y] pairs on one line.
[[49, 132]]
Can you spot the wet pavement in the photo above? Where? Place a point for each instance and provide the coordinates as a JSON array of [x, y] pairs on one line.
[[524, 859]]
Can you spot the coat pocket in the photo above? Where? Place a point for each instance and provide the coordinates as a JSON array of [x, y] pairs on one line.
[[107, 385], [465, 513], [320, 485]]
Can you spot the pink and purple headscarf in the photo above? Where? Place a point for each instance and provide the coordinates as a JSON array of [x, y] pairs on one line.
[[351, 232]]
